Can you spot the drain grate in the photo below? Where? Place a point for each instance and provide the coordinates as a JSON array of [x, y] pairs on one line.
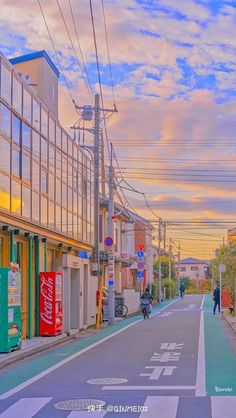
[[107, 381], [79, 404]]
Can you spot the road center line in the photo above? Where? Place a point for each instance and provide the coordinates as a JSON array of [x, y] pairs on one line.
[[72, 357], [148, 387], [201, 367]]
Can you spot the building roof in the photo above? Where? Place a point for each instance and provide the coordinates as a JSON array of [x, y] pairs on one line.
[[191, 260], [35, 55]]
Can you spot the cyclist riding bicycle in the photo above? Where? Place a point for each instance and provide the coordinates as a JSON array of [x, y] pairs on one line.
[[146, 300]]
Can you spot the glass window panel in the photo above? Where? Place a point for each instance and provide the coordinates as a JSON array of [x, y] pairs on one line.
[[44, 123], [35, 176], [51, 130], [70, 172], [15, 197], [4, 191], [70, 224], [16, 125], [27, 105], [35, 207], [51, 186], [36, 115], [26, 137], [70, 203], [5, 155], [58, 217], [6, 83], [35, 145], [44, 211], [25, 167], [75, 179], [58, 136], [64, 221], [58, 163], [5, 119], [64, 142], [64, 168], [58, 191], [51, 158], [79, 228], [51, 216], [70, 145], [44, 151], [26, 202], [75, 152], [44, 182], [84, 231], [75, 226], [15, 162], [75, 202], [64, 195], [80, 205], [17, 95]]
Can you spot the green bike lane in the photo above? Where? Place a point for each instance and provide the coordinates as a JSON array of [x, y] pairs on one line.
[[220, 359], [31, 369]]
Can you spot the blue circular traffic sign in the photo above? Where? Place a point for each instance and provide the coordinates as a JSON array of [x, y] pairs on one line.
[[108, 241]]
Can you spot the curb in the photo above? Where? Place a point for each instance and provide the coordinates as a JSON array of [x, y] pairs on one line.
[[231, 321]]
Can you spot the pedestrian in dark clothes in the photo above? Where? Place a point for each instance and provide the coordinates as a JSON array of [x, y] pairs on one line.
[[216, 298]]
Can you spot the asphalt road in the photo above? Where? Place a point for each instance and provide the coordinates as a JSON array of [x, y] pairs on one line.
[[164, 364]]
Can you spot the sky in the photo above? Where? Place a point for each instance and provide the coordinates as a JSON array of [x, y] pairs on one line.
[[174, 74]]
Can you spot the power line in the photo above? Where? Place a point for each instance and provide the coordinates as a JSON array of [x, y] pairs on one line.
[[108, 52], [55, 51], [75, 53]]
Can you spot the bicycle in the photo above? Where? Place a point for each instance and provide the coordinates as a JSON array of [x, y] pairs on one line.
[[121, 310]]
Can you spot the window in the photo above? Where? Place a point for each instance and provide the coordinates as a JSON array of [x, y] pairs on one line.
[[100, 228], [194, 268], [70, 145], [64, 169], [27, 105], [70, 224], [35, 145], [182, 268], [75, 179], [17, 95], [70, 172], [75, 225], [44, 182], [16, 162], [16, 128], [36, 115], [15, 197], [6, 83], [44, 211], [58, 217], [26, 137], [64, 221], [4, 191], [44, 152], [64, 142], [51, 187], [75, 202], [58, 163], [35, 207], [58, 191], [51, 130], [44, 123], [70, 203], [64, 195], [51, 158], [5, 119], [51, 217], [26, 202], [58, 136], [35, 176], [25, 168], [5, 155]]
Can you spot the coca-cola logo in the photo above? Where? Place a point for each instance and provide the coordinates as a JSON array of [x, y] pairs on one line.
[[46, 290]]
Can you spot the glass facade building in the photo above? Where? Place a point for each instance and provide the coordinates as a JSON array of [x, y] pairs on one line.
[[45, 178]]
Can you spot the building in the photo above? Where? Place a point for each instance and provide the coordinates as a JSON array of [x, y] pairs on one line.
[[193, 268], [46, 192], [232, 236]]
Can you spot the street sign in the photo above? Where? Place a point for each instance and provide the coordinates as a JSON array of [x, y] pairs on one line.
[[108, 241], [140, 254], [140, 274], [141, 247], [111, 282], [140, 265]]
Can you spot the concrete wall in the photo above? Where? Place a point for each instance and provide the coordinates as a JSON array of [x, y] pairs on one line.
[[131, 300]]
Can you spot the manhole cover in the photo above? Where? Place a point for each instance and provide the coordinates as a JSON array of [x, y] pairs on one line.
[[79, 404], [107, 381]]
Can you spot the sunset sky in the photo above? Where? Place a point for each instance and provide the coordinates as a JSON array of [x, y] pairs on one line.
[[174, 73]]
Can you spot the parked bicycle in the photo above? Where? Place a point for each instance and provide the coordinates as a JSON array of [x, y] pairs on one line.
[[121, 310]]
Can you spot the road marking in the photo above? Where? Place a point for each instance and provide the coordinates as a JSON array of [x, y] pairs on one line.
[[25, 408], [192, 306], [148, 388], [203, 300], [223, 406], [85, 414], [167, 406], [72, 357], [157, 371], [201, 366]]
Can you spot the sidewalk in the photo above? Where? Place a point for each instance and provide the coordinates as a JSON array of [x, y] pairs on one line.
[[230, 319]]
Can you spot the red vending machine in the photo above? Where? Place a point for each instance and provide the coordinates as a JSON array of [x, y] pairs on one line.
[[51, 303]]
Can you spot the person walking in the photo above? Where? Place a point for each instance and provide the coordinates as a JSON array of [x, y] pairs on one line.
[[216, 298], [182, 289]]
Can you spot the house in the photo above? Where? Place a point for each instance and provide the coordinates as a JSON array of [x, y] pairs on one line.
[[193, 268]]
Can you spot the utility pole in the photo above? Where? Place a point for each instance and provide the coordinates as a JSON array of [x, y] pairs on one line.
[[170, 256], [164, 236], [178, 269], [111, 288], [159, 260]]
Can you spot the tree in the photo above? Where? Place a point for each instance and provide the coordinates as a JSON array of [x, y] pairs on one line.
[[165, 274]]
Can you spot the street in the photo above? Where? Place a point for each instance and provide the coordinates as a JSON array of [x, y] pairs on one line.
[[179, 363]]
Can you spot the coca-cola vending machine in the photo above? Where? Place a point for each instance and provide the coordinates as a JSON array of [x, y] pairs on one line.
[[50, 303]]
